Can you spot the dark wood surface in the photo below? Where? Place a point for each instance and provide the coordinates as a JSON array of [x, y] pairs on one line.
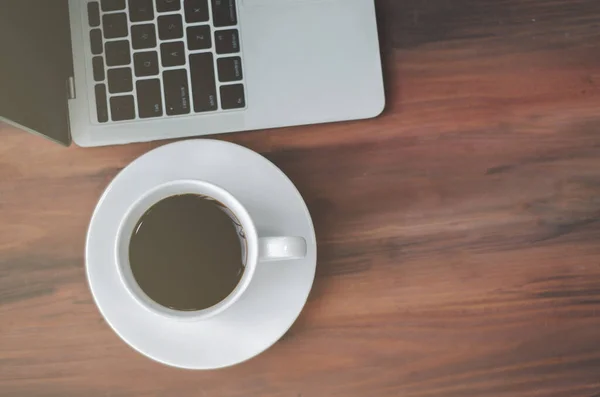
[[459, 233]]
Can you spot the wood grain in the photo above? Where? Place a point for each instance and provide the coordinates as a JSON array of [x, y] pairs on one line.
[[458, 233]]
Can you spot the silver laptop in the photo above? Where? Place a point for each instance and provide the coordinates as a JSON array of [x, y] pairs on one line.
[[103, 72]]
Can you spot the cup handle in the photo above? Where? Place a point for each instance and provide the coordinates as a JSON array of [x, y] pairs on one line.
[[281, 248]]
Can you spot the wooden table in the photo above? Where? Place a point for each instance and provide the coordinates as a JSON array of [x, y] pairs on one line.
[[459, 233]]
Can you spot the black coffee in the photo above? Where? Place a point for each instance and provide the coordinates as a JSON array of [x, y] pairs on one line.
[[185, 253]]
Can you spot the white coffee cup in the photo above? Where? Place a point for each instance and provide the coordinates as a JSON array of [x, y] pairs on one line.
[[255, 249]]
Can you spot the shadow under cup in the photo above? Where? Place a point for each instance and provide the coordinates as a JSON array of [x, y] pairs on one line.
[[231, 211]]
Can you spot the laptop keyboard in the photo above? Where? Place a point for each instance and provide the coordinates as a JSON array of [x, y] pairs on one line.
[[161, 58]]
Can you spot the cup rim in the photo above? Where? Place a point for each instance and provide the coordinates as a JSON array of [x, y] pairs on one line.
[[205, 188]]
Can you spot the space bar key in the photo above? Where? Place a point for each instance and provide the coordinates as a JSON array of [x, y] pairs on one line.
[[204, 89]]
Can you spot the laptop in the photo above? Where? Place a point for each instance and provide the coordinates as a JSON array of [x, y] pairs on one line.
[[105, 72]]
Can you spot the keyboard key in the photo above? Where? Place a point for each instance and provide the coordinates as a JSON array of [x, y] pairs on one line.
[[227, 41], [93, 14], [198, 37], [168, 5], [172, 54], [176, 91], [170, 27], [196, 10], [96, 41], [224, 13], [98, 67], [114, 25], [122, 108], [230, 69], [204, 91], [232, 96], [141, 10], [149, 98], [118, 53], [145, 63], [119, 80], [143, 36], [113, 5], [101, 105]]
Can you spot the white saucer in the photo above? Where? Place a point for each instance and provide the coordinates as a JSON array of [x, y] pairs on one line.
[[277, 292]]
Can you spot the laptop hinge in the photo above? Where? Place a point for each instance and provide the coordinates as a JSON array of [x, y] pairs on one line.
[[71, 88]]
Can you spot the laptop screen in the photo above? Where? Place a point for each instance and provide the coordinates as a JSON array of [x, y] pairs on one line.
[[35, 64]]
